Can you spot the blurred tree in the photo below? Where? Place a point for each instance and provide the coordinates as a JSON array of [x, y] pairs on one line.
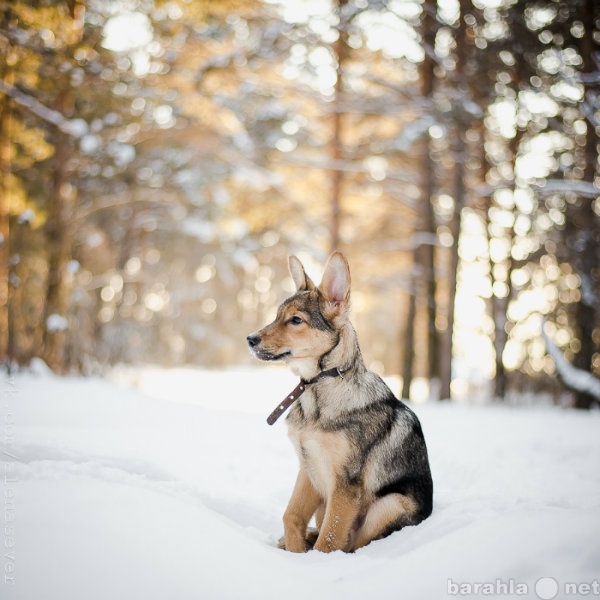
[[340, 52], [461, 123], [512, 56], [62, 195], [423, 260], [585, 240]]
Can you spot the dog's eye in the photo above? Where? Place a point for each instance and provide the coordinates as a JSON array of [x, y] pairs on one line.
[[296, 320]]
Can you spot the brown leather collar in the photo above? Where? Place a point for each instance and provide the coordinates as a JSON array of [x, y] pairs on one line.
[[299, 390]]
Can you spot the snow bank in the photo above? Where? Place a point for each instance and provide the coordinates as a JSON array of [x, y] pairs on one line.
[[169, 484]]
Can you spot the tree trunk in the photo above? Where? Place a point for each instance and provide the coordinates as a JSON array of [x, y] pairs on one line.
[[59, 228], [340, 50], [424, 257], [59, 239], [500, 304], [499, 315], [459, 151], [446, 345], [586, 245], [409, 344], [6, 342]]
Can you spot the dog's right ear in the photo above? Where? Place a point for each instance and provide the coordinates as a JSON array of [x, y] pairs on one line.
[[301, 279]]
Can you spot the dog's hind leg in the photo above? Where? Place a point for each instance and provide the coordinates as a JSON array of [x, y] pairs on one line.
[[385, 515], [302, 505]]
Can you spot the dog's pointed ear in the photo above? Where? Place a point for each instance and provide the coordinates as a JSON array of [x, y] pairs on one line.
[[301, 279], [335, 285]]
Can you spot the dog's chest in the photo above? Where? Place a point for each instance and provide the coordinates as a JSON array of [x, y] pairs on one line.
[[322, 455]]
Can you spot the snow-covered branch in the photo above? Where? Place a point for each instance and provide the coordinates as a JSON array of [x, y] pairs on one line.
[[582, 188], [575, 379], [420, 238], [43, 112], [344, 166]]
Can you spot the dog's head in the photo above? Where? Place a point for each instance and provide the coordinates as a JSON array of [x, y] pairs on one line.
[[308, 323]]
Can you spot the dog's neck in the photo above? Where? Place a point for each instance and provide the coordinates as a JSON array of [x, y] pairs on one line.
[[344, 355]]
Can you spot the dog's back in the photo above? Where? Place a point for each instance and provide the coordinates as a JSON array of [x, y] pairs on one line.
[[364, 469]]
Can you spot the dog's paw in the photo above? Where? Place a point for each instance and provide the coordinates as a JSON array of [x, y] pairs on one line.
[[310, 539]]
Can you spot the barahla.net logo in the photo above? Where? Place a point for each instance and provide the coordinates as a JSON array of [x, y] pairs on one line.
[[545, 588]]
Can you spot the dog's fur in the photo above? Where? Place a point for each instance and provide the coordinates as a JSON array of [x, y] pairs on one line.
[[364, 471]]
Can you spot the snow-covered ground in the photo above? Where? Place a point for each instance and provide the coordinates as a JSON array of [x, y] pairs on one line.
[[169, 485]]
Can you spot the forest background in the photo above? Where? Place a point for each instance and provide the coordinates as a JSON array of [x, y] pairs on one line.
[[159, 159]]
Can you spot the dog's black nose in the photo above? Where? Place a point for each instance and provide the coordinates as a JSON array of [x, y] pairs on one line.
[[253, 340]]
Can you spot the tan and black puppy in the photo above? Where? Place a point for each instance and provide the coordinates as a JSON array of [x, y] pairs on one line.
[[364, 471]]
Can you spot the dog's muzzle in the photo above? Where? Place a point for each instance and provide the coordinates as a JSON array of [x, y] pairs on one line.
[[254, 341]]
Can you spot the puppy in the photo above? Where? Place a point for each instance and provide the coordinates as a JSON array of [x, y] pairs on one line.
[[364, 471]]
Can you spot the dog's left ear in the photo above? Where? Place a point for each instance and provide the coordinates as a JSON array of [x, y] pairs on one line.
[[335, 285]]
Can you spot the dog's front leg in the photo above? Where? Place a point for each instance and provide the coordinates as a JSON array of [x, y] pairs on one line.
[[341, 512], [302, 505]]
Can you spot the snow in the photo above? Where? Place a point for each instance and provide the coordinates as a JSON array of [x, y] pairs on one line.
[[162, 484], [202, 230], [26, 217], [56, 322], [76, 127]]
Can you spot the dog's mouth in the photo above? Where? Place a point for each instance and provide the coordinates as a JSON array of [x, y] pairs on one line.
[[266, 355]]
